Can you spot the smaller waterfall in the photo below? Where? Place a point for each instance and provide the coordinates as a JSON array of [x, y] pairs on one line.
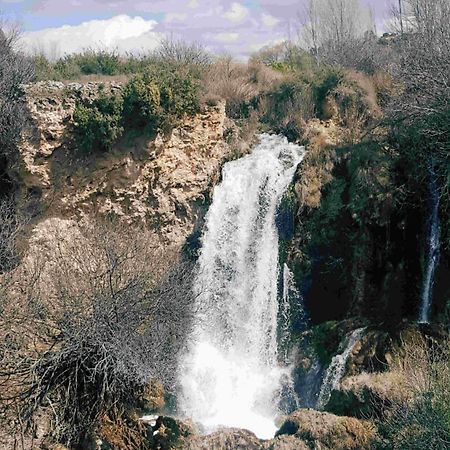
[[290, 297], [433, 241], [336, 369]]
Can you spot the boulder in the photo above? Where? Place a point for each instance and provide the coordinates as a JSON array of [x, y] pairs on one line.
[[366, 394], [329, 432], [226, 439], [238, 439]]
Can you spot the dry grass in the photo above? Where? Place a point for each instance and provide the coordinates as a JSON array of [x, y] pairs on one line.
[[420, 419], [122, 433], [316, 168], [237, 83]]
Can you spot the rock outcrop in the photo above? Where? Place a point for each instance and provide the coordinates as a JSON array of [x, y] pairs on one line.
[[162, 182], [303, 430], [329, 432]]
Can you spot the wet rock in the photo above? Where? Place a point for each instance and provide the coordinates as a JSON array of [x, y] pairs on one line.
[[170, 433]]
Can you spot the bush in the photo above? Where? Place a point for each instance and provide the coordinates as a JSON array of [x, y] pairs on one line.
[[421, 419], [109, 313], [158, 99], [142, 103], [15, 70], [287, 106], [98, 123], [326, 338], [240, 85]]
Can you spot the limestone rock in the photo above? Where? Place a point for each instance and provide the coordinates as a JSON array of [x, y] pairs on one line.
[[227, 439], [162, 182], [329, 432], [367, 394]]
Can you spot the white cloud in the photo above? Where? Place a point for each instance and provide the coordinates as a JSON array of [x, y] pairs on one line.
[[122, 33], [236, 13], [175, 17], [268, 20], [226, 37], [193, 4]]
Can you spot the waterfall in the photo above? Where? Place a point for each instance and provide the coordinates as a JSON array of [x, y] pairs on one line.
[[231, 375], [433, 243], [336, 369]]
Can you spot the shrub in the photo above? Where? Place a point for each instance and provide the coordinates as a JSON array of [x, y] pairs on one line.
[[420, 420], [178, 52], [326, 338], [240, 85], [98, 123], [142, 103], [109, 292], [287, 106], [96, 62], [158, 98], [15, 70]]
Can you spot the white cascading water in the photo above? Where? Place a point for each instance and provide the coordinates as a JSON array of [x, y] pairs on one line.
[[290, 293], [434, 236], [336, 369], [231, 375]]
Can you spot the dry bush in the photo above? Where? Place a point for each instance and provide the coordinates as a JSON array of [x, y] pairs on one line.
[[185, 54], [15, 70], [12, 225], [421, 419], [88, 324], [238, 83], [315, 170]]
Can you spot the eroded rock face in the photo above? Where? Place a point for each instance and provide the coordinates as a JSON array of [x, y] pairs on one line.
[[161, 182]]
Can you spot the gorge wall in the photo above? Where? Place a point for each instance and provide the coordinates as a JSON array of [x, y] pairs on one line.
[[163, 182]]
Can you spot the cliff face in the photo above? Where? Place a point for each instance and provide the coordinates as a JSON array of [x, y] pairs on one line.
[[160, 182]]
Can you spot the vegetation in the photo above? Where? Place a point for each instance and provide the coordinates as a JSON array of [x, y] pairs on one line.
[[109, 63], [111, 321], [98, 122], [421, 419], [153, 101], [374, 114]]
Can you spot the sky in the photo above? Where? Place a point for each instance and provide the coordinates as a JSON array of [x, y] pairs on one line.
[[235, 27]]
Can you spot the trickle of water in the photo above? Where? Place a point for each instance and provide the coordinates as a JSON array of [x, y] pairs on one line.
[[336, 369], [433, 250], [231, 376], [290, 295]]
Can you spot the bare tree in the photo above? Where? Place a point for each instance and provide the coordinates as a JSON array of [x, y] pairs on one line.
[[180, 52], [310, 28], [15, 70], [87, 328], [424, 71], [338, 31]]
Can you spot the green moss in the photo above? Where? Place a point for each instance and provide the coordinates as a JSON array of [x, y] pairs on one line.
[[325, 339]]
